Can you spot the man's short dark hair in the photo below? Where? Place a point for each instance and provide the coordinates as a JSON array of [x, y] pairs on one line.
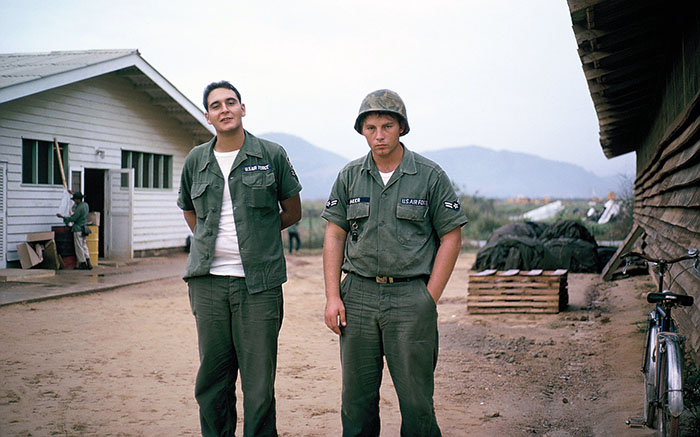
[[395, 116], [221, 84]]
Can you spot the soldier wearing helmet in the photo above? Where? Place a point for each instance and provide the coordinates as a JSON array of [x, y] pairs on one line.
[[385, 101], [394, 227]]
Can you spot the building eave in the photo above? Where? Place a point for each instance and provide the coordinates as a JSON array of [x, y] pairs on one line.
[[131, 66]]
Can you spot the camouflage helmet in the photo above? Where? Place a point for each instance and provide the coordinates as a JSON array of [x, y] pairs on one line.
[[384, 101]]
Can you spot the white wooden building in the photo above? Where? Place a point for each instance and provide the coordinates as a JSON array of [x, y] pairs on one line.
[[123, 131]]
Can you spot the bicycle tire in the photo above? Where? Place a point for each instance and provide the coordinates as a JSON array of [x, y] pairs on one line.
[[649, 373], [668, 414]]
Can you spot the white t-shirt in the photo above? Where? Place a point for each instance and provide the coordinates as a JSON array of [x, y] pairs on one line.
[[227, 256], [386, 176]]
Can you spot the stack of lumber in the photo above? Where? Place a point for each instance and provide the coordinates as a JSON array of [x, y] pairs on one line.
[[516, 291]]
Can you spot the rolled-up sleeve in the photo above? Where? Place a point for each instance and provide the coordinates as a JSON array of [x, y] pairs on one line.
[[288, 184], [445, 208], [335, 209]]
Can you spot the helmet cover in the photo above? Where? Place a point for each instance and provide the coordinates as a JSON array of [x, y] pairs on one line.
[[382, 101]]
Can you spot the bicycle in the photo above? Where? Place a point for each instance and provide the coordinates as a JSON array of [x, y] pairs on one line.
[[662, 364]]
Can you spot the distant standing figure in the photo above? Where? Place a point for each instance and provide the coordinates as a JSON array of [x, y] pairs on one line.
[[79, 220], [293, 232]]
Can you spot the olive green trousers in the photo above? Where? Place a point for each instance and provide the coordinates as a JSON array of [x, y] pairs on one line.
[[397, 321], [237, 332]]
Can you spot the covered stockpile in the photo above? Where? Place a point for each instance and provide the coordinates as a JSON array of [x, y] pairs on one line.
[[565, 244], [523, 268]]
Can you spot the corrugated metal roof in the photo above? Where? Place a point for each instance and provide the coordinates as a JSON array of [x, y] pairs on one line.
[[17, 68]]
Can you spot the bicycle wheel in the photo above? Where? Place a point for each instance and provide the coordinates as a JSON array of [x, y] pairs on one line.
[[670, 403], [649, 373]]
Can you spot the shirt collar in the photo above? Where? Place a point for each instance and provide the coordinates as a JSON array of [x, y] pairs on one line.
[[407, 164], [251, 146]]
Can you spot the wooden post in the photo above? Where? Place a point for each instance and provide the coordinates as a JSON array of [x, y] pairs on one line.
[[60, 163], [614, 262]]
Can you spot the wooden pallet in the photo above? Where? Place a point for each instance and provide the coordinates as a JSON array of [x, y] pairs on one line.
[[515, 291]]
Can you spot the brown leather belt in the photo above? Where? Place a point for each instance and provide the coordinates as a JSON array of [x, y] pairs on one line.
[[392, 280]]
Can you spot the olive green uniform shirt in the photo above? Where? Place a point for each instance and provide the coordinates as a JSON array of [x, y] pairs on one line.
[[79, 217], [260, 177], [393, 230]]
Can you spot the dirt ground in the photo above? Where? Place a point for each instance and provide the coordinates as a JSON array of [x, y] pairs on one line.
[[123, 363]]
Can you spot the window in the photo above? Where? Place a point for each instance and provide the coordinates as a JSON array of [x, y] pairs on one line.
[[76, 180], [40, 164], [151, 170]]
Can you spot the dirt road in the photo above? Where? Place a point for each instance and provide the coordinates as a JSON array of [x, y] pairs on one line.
[[123, 363]]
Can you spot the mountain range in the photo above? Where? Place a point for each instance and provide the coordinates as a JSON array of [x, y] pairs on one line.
[[473, 170]]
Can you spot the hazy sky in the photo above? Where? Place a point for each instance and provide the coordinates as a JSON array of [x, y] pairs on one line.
[[502, 74]]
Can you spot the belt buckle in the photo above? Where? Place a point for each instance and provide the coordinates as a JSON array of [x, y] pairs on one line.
[[383, 279]]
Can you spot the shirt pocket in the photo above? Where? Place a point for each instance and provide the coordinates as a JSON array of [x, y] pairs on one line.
[[357, 216], [260, 189], [358, 211], [198, 194], [412, 224]]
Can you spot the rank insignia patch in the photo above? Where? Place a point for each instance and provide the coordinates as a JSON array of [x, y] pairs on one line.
[[331, 203], [452, 205], [291, 167]]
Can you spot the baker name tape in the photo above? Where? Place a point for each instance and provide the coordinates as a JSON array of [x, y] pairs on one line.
[[256, 167], [452, 205], [416, 202], [355, 200]]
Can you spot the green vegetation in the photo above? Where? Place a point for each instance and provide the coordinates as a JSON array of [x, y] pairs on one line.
[[312, 226], [487, 215], [617, 229]]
